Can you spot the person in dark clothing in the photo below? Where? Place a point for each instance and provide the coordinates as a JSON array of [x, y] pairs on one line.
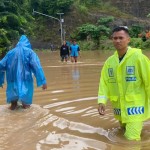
[[64, 52]]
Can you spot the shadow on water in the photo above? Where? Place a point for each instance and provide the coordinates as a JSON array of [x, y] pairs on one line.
[[65, 116]]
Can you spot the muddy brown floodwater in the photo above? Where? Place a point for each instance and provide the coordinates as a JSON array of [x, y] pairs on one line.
[[65, 116]]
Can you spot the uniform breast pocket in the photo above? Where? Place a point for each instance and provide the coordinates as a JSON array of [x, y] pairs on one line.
[[135, 99], [111, 80], [113, 98]]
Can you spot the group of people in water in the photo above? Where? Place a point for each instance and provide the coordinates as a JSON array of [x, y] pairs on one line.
[[68, 50]]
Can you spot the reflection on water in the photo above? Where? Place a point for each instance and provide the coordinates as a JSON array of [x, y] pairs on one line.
[[75, 73], [65, 116]]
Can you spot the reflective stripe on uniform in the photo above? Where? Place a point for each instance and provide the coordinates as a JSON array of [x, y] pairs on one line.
[[135, 110], [102, 97]]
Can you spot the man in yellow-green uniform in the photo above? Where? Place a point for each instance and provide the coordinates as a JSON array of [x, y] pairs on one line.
[[125, 81]]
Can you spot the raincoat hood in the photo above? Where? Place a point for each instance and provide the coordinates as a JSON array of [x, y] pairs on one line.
[[23, 41]]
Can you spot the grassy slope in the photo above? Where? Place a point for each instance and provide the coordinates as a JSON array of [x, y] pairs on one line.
[[47, 30]]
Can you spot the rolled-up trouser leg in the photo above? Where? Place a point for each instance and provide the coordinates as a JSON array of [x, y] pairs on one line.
[[133, 130]]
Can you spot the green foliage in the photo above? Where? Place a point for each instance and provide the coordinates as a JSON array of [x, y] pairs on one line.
[[106, 21], [35, 4], [146, 45], [95, 32], [8, 6], [106, 45], [104, 30], [2, 6], [16, 18], [101, 6], [106, 7], [12, 35], [87, 45], [148, 15], [136, 42], [90, 2], [87, 30], [13, 21], [51, 7], [4, 42], [135, 30], [82, 9]]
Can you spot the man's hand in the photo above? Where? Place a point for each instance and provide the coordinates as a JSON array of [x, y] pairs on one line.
[[44, 86], [101, 109]]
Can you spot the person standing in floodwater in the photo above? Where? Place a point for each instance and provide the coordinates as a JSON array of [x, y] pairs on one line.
[[64, 52], [19, 64], [125, 81], [74, 51]]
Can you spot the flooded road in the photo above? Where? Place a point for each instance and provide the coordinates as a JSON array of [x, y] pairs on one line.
[[65, 116]]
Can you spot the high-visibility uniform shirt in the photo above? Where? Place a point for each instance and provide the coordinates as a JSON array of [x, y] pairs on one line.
[[127, 86]]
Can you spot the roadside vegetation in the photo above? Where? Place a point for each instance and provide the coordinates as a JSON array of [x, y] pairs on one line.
[[16, 18]]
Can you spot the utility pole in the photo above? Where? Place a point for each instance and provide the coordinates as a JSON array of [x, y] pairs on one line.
[[60, 21], [61, 30]]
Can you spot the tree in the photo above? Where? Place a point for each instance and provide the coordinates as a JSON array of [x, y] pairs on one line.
[[135, 30], [55, 6], [90, 2], [4, 42], [14, 21], [95, 32]]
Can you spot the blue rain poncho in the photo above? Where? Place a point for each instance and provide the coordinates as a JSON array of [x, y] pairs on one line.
[[19, 64], [2, 75]]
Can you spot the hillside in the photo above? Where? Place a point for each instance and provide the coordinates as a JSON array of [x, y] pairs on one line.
[[50, 32], [17, 18], [138, 8]]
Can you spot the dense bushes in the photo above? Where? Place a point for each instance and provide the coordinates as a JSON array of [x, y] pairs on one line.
[[94, 33], [4, 42], [139, 43], [146, 45], [14, 21], [108, 45], [16, 18], [97, 37]]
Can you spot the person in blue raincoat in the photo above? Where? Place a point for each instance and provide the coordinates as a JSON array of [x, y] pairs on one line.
[[19, 64]]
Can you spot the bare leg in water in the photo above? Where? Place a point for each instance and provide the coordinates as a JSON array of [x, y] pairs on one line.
[[13, 105], [25, 106]]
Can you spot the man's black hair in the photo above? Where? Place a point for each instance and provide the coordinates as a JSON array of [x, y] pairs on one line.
[[120, 28]]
